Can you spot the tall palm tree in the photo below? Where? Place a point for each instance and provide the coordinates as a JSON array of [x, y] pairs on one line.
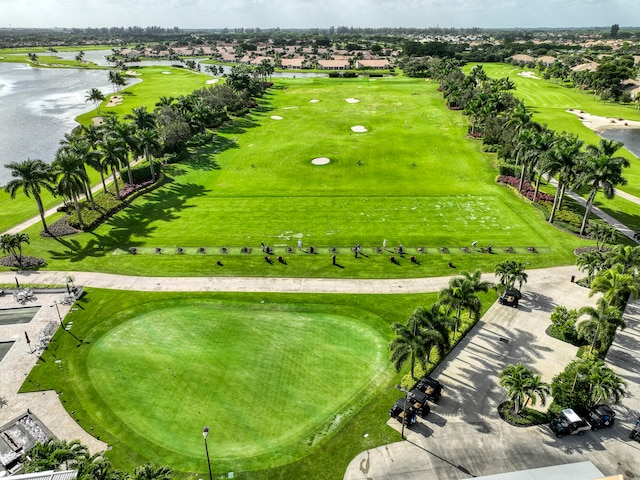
[[602, 232], [31, 176], [601, 171], [142, 119], [434, 322], [562, 160], [125, 133], [409, 345], [601, 324], [114, 151], [94, 135], [149, 141], [96, 96], [80, 147], [476, 282], [70, 178], [543, 143]]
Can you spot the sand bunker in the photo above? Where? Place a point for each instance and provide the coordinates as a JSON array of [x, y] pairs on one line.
[[596, 123], [358, 129], [97, 121], [314, 101], [320, 161], [114, 100], [166, 73], [352, 100], [132, 72], [276, 117], [528, 75], [213, 80]]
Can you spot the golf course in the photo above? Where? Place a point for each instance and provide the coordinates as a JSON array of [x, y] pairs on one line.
[[294, 386]]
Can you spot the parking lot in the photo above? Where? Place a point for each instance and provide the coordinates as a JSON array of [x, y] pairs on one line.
[[463, 436]]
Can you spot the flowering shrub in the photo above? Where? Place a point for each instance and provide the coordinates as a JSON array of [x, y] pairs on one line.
[[527, 189]]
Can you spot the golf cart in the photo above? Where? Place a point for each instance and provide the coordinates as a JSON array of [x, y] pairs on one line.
[[601, 416], [420, 402], [431, 387], [510, 298], [398, 412], [569, 423]]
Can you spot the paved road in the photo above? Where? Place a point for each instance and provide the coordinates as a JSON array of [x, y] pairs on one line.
[[464, 436]]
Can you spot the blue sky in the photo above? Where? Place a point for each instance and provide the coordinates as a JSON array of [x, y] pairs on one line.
[[319, 13]]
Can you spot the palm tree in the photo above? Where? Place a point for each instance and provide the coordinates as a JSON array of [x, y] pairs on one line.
[[543, 143], [80, 148], [435, 323], [96, 96], [31, 176], [602, 232], [149, 140], [94, 135], [460, 295], [410, 344], [536, 388], [601, 325], [522, 385], [591, 262], [149, 471], [616, 286], [12, 243], [125, 133], [477, 284], [605, 384], [511, 271], [141, 118], [71, 178], [114, 151], [561, 161], [601, 171], [624, 256]]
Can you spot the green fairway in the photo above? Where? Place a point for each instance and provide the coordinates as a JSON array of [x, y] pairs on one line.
[[413, 178], [287, 383]]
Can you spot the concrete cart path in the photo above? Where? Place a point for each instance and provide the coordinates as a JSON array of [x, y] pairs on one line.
[[262, 284]]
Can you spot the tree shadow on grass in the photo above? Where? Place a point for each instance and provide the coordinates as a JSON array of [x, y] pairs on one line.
[[239, 125], [161, 205], [203, 160]]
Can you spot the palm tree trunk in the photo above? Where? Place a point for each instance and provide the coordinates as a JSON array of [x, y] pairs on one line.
[[587, 212], [150, 160], [413, 363], [535, 193], [115, 182], [555, 203], [76, 203], [104, 185], [524, 168], [41, 211]]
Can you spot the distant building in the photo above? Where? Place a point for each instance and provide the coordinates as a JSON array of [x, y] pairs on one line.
[[373, 64], [333, 64]]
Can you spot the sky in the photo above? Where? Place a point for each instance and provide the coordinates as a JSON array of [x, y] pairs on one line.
[[319, 13]]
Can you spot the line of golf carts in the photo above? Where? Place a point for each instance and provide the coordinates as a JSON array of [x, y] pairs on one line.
[[568, 422], [416, 401]]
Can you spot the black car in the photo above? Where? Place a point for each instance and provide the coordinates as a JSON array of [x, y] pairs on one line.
[[431, 387], [510, 297], [401, 407], [601, 416]]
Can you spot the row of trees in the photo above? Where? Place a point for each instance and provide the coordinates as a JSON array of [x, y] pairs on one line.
[[53, 454], [429, 330], [505, 125], [112, 146]]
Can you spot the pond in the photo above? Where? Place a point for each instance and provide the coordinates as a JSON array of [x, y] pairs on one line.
[[629, 136]]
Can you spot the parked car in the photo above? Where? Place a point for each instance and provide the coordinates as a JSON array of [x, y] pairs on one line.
[[420, 402], [569, 423], [510, 297], [601, 416], [431, 387], [399, 409]]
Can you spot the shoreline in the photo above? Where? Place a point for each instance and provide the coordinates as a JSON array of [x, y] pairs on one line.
[[598, 124]]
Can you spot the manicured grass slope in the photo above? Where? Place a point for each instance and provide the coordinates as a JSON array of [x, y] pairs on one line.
[[276, 377], [413, 178]]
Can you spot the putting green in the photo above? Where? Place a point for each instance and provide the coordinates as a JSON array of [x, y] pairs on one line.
[[270, 384]]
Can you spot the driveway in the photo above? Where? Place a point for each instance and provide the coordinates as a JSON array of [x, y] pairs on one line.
[[464, 436]]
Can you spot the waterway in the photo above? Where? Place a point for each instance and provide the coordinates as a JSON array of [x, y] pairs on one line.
[[39, 105], [629, 136]]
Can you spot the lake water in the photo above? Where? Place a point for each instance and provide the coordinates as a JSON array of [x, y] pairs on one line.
[[630, 138], [38, 106]]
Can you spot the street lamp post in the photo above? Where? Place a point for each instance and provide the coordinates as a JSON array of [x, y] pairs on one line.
[[404, 414], [205, 433], [58, 310]]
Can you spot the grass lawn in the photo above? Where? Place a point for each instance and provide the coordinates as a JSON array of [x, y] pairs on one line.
[[413, 178], [289, 384]]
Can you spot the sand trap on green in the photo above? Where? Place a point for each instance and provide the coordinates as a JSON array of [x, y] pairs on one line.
[[270, 384]]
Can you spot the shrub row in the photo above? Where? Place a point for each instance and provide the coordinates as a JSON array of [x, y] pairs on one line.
[[528, 189]]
